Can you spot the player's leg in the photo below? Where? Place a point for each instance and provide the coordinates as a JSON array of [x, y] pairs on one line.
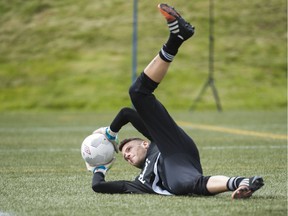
[[157, 69], [177, 148], [217, 184], [163, 129], [242, 187], [180, 31]]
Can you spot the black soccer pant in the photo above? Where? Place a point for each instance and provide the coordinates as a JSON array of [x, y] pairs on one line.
[[182, 167]]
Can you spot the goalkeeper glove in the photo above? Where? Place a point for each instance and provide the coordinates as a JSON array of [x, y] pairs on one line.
[[110, 135], [100, 168]]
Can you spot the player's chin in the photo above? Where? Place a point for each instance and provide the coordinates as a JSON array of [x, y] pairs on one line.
[[133, 162], [130, 161], [138, 164]]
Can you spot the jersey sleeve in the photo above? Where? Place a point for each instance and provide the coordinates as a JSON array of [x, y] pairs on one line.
[[99, 185], [127, 115]]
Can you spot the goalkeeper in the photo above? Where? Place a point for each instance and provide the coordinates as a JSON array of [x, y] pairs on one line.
[[169, 159]]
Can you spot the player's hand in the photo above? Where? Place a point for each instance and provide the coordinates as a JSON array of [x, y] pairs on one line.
[[89, 167], [113, 139], [101, 130], [105, 167]]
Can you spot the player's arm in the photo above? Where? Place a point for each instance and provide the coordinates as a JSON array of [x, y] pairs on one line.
[[128, 115], [99, 185]]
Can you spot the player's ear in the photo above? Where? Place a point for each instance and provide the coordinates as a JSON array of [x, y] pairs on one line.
[[145, 144]]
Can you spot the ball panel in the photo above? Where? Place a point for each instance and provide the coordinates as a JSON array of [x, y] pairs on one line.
[[97, 150]]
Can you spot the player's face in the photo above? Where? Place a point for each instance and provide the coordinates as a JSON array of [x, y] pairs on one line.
[[134, 152]]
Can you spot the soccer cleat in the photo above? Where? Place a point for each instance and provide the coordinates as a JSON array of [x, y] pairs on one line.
[[177, 25], [168, 12], [246, 191]]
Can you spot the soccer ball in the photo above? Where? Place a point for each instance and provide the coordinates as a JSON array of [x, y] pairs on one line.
[[96, 150]]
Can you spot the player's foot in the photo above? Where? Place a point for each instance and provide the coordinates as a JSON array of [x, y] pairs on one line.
[[177, 25], [246, 191]]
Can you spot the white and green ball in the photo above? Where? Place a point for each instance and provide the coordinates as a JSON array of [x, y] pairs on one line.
[[97, 150]]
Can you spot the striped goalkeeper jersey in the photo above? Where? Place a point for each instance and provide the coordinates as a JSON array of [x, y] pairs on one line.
[[150, 179]]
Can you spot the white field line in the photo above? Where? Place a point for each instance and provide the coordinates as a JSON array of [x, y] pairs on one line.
[[243, 147], [233, 131], [5, 214], [46, 129], [53, 150], [46, 150]]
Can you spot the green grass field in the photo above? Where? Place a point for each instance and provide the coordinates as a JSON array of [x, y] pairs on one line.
[[42, 172]]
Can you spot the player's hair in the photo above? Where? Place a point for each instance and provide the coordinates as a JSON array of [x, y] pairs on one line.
[[123, 142]]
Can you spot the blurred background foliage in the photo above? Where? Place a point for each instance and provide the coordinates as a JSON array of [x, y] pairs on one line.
[[76, 55]]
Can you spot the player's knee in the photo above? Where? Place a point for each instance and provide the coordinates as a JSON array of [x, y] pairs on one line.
[[180, 188], [132, 90], [142, 86], [135, 93]]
